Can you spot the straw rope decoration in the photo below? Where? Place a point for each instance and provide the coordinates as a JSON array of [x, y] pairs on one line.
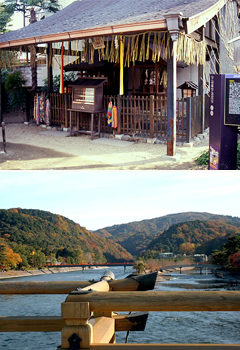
[[138, 49], [190, 51]]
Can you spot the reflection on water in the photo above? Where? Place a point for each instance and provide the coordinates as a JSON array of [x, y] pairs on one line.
[[162, 327]]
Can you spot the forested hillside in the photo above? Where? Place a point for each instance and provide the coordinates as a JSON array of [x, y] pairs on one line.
[[36, 233], [136, 236], [187, 236]]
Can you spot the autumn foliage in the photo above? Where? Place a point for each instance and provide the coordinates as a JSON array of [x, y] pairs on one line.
[[10, 259]]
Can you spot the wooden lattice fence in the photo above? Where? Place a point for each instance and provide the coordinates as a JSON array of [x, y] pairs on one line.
[[142, 116]]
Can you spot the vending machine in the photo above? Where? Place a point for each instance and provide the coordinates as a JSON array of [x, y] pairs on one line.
[[224, 120]]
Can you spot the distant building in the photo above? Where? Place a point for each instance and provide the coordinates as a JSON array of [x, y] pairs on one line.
[[165, 255], [200, 258]]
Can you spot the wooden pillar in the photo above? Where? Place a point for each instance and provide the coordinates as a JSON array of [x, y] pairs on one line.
[[171, 99], [151, 116], [50, 77], [76, 315], [156, 78], [201, 85]]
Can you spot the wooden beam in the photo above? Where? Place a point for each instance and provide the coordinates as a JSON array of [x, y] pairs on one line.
[[138, 27], [31, 324], [103, 329], [141, 282], [56, 287], [161, 301], [195, 22], [165, 347]]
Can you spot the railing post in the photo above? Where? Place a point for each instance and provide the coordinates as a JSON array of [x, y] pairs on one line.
[[151, 116], [4, 137], [76, 315], [188, 120]]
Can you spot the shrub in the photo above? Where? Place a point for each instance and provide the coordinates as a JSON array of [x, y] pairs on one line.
[[14, 87], [203, 158]]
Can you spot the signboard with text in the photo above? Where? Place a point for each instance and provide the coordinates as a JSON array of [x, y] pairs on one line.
[[224, 116], [232, 98]]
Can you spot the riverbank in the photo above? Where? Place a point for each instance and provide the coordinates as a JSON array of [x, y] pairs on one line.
[[28, 273]]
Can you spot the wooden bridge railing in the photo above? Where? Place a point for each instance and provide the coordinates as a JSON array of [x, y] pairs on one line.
[[81, 330]]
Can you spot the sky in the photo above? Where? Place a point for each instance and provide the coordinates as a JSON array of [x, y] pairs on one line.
[[97, 199]]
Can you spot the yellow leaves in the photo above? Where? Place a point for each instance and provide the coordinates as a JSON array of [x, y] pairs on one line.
[[187, 247], [12, 259]]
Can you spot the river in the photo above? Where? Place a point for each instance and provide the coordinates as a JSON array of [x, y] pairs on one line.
[[164, 327]]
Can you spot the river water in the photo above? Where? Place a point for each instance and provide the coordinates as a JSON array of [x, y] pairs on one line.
[[162, 327]]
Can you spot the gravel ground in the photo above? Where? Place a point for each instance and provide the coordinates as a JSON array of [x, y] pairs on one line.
[[33, 148]]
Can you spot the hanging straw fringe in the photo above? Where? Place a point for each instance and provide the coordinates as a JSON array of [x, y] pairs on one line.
[[140, 47], [190, 51]]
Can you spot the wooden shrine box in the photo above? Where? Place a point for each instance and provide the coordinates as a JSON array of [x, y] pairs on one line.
[[87, 94]]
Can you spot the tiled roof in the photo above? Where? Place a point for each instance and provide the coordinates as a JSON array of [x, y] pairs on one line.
[[87, 14]]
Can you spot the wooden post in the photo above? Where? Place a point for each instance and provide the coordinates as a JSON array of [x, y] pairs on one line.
[[189, 120], [156, 78], [3, 136], [65, 108], [76, 316], [50, 77], [151, 116], [92, 117], [70, 123]]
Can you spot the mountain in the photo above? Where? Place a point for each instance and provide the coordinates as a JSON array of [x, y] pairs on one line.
[[193, 233], [136, 236], [51, 233]]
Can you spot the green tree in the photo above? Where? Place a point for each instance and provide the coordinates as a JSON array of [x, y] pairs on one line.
[[5, 19], [14, 87], [29, 8], [38, 259], [26, 6], [140, 265], [24, 263], [224, 256]]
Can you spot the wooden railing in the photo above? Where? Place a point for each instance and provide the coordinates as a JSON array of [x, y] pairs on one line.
[[147, 115], [143, 116], [98, 332]]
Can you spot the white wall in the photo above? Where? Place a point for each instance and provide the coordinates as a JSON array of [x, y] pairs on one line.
[[188, 73]]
